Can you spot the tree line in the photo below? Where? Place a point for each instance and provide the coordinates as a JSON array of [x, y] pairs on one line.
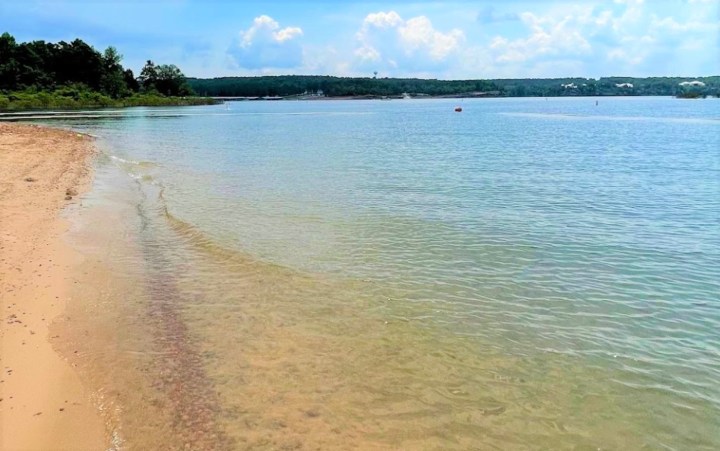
[[288, 85], [292, 85], [609, 86], [46, 67]]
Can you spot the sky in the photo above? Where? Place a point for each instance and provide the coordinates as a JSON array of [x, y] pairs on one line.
[[444, 40]]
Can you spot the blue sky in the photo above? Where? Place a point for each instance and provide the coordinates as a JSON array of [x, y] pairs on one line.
[[447, 40]]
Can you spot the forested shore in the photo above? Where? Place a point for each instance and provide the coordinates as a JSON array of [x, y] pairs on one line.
[[43, 75], [327, 86]]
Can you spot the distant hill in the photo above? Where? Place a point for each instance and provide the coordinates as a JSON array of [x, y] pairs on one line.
[[313, 85]]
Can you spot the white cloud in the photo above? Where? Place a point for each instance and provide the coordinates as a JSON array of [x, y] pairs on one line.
[[418, 33], [387, 40], [266, 45], [669, 24], [621, 55], [382, 20], [367, 53], [592, 38], [265, 28], [287, 33], [550, 36], [631, 37]]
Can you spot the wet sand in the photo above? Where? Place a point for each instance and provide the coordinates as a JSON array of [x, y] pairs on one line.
[[43, 402]]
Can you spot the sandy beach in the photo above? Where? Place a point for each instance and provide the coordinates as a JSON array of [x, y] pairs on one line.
[[43, 403]]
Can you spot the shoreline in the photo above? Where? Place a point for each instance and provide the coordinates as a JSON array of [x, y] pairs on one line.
[[23, 114], [43, 402]]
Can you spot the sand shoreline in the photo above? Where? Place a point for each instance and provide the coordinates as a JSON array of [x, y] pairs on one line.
[[43, 403]]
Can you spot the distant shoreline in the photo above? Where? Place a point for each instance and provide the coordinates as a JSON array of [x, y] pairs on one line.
[[426, 97], [320, 86], [17, 113]]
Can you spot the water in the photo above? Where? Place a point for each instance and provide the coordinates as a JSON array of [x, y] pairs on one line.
[[527, 274]]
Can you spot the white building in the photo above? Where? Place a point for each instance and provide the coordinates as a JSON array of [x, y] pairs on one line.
[[696, 83]]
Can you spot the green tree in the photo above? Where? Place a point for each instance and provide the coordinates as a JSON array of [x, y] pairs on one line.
[[171, 81], [8, 65], [130, 81], [148, 76], [77, 62], [112, 81]]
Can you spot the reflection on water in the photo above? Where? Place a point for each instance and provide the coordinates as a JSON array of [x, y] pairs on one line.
[[404, 278]]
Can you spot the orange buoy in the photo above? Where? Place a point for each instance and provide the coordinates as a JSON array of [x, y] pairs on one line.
[[458, 109]]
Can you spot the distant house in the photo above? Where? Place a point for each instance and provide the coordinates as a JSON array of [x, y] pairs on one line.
[[692, 90], [694, 83], [318, 93], [624, 85], [569, 85]]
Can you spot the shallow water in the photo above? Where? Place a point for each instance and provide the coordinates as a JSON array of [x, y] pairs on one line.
[[528, 274]]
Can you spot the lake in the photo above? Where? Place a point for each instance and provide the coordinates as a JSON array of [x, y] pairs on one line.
[[527, 274]]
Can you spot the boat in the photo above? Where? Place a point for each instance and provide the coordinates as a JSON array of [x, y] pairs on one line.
[[458, 109]]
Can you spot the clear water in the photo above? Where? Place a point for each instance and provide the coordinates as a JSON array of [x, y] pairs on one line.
[[527, 274]]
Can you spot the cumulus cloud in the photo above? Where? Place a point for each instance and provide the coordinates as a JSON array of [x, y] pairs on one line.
[[385, 39], [669, 24], [418, 34], [619, 54], [381, 20], [627, 36], [519, 39], [550, 36], [367, 53], [266, 45]]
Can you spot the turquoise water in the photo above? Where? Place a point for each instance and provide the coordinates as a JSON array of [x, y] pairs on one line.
[[558, 260]]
